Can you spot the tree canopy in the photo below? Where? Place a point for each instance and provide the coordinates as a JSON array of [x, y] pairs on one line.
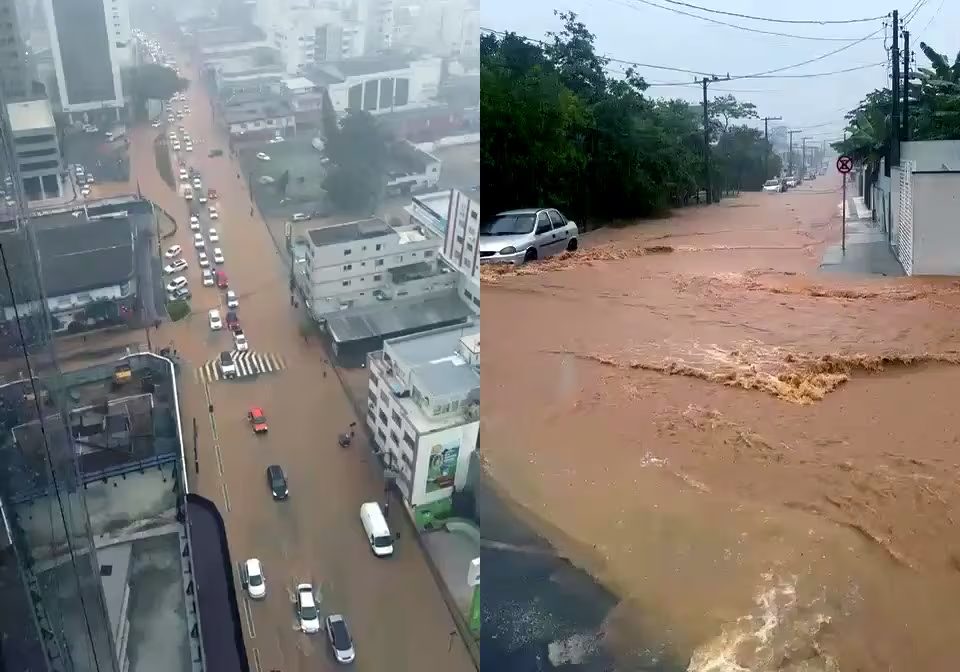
[[151, 81], [558, 128], [358, 152]]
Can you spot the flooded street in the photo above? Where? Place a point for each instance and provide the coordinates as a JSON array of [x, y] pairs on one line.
[[758, 458]]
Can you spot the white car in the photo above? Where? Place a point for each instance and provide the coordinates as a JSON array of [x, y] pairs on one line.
[[216, 324], [203, 260], [232, 301], [175, 267], [173, 252], [85, 192], [300, 217], [176, 284], [213, 212], [198, 241], [518, 236], [263, 157], [307, 609], [188, 146], [202, 198], [772, 186], [240, 343], [184, 176], [196, 183], [207, 277], [256, 583], [194, 223], [212, 234], [176, 146], [156, 124], [217, 255]]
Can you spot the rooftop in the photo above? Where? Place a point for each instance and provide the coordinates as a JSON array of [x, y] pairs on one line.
[[255, 111], [297, 83], [76, 255], [398, 317], [363, 229], [31, 115], [356, 67], [447, 378]]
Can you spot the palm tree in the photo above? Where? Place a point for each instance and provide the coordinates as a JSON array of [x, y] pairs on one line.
[[937, 110]]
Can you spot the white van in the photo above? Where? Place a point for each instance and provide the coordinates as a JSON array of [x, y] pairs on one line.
[[375, 525]]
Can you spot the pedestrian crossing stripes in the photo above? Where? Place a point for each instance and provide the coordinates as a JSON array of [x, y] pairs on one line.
[[248, 364]]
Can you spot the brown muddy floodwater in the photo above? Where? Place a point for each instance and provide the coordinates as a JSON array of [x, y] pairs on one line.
[[762, 460]]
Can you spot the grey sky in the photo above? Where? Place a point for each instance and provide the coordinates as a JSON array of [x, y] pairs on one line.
[[631, 30]]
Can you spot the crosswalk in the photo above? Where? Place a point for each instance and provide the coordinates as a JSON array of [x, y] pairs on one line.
[[248, 364]]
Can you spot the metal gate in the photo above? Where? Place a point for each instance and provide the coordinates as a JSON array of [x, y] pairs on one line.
[[905, 229]]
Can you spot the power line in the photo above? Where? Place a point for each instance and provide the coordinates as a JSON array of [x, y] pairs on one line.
[[772, 20], [736, 26], [768, 74]]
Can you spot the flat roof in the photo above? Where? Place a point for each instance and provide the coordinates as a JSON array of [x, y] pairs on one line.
[[418, 349], [363, 229], [446, 378], [30, 115], [396, 317], [294, 83], [115, 581]]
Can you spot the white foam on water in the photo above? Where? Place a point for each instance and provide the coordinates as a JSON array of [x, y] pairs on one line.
[[573, 650]]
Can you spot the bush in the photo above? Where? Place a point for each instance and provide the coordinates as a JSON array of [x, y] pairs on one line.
[[177, 310]]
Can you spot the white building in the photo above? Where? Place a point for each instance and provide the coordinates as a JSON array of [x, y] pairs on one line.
[[39, 159], [380, 85], [441, 27], [369, 262], [90, 41], [456, 217], [424, 411]]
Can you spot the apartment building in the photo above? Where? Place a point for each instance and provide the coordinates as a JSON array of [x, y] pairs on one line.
[[423, 410], [15, 80], [455, 216], [90, 41], [37, 148], [441, 27], [368, 263]]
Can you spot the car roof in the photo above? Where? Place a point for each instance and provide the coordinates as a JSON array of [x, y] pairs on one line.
[[520, 211], [256, 410], [214, 311], [306, 595]]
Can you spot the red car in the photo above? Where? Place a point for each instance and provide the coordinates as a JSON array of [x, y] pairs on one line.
[[221, 279], [257, 420], [233, 322]]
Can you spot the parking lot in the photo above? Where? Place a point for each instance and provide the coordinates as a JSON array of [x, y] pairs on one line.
[[303, 192], [108, 161]]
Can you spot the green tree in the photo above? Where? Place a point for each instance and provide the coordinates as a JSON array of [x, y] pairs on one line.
[[282, 183], [868, 134], [151, 81], [724, 109], [358, 154]]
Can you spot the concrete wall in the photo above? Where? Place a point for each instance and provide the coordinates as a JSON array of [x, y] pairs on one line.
[[932, 154], [936, 209]]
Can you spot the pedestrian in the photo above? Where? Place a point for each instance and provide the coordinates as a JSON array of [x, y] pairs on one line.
[[386, 509], [324, 373], [251, 212]]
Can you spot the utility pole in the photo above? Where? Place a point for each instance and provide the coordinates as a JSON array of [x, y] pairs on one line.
[[790, 154], [905, 134], [803, 157], [766, 139], [894, 154], [706, 135]]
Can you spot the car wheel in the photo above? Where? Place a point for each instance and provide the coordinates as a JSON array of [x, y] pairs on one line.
[[572, 245], [531, 255]]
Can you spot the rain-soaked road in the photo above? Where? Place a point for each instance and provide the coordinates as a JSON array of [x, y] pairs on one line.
[[761, 460], [397, 617]]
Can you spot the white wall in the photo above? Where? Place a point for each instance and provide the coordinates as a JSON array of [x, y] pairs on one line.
[[936, 234], [932, 154], [466, 436]]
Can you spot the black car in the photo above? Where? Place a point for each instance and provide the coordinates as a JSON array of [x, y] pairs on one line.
[[277, 481]]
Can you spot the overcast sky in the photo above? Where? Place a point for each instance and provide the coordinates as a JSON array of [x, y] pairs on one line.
[[634, 30]]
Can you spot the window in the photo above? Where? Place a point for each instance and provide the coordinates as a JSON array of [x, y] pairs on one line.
[[372, 415], [382, 416], [386, 399], [393, 437], [466, 293], [377, 278], [469, 247], [378, 262], [373, 398], [543, 224], [347, 252], [476, 301], [407, 439], [348, 267], [427, 254], [395, 417], [346, 283], [379, 245], [459, 240], [383, 437], [556, 219], [374, 379]]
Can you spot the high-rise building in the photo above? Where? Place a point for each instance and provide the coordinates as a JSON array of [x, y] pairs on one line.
[[15, 80], [90, 41]]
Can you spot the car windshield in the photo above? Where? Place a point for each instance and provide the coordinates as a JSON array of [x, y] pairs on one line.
[[383, 541], [341, 638], [258, 416], [771, 183], [256, 580], [508, 225], [308, 612]]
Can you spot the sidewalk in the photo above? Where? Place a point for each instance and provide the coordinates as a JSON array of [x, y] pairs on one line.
[[867, 250]]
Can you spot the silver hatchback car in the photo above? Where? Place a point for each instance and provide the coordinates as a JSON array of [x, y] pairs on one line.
[[519, 236]]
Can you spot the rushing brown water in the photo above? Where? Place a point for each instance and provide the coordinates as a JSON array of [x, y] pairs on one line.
[[761, 459]]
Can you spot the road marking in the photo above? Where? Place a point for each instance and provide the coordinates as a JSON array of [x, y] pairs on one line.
[[213, 427], [256, 659], [226, 497], [248, 364], [249, 616], [216, 447]]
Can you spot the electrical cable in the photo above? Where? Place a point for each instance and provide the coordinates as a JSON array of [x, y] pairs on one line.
[[819, 22], [734, 25]]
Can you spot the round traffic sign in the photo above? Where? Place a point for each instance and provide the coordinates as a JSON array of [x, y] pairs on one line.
[[844, 164]]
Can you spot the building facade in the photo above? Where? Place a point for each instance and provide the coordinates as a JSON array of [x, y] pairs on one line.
[[368, 262], [456, 217], [90, 41], [423, 410], [382, 85], [37, 147], [15, 79]]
